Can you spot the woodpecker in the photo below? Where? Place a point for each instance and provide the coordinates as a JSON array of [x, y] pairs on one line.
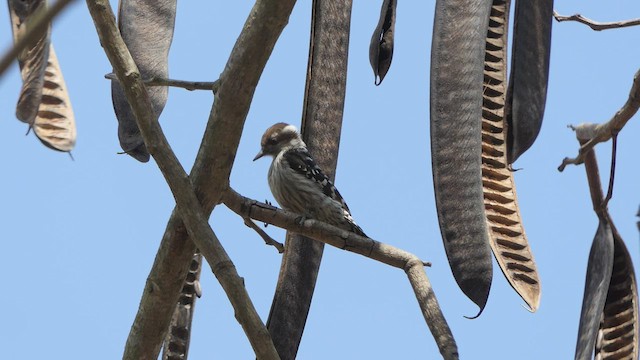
[[298, 184]]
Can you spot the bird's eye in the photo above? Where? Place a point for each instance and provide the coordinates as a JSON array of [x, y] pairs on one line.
[[271, 141]]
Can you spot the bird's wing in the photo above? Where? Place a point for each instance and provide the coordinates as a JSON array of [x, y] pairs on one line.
[[301, 162]]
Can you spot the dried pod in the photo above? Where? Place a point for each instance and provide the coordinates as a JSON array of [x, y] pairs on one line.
[[618, 334], [32, 60], [55, 124], [177, 339], [508, 239], [381, 47], [527, 93], [599, 270], [147, 29], [459, 33]]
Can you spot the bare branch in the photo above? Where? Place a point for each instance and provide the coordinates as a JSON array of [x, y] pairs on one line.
[[210, 173], [38, 28], [187, 85], [597, 26], [267, 239], [592, 134], [188, 205], [387, 254]]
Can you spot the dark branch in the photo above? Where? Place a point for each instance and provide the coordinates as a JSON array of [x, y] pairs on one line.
[[591, 134], [597, 26], [342, 239]]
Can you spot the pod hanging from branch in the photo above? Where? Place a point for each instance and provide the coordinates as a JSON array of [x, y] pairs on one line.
[[506, 232], [55, 123], [469, 140], [457, 63], [527, 92], [599, 271], [147, 29], [381, 47], [33, 60], [618, 333]]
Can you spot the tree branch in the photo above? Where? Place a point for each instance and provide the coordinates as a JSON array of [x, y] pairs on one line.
[[209, 175], [187, 85], [268, 240], [591, 134], [187, 203], [597, 26], [387, 254], [34, 32]]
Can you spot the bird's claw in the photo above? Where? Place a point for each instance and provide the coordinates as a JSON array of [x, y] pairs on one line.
[[301, 219]]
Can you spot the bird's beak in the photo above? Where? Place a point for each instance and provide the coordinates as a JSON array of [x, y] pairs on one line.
[[260, 154]]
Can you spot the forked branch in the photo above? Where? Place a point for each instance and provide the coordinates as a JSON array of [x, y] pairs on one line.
[[188, 205], [342, 239], [209, 174], [591, 134], [268, 240]]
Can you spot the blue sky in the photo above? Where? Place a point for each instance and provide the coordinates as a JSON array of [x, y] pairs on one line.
[[79, 236]]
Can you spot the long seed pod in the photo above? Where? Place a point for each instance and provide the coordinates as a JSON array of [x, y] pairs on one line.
[[618, 334], [599, 269], [527, 92], [147, 29], [55, 123], [457, 61], [508, 239], [321, 126], [32, 61], [381, 46]]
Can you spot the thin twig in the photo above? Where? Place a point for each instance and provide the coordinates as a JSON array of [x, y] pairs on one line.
[[612, 173], [346, 240], [597, 26], [187, 202], [267, 239], [592, 134], [187, 85], [35, 31]]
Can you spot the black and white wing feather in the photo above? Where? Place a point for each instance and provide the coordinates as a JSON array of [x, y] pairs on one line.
[[301, 162]]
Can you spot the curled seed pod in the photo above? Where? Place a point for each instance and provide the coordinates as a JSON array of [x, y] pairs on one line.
[[381, 47]]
